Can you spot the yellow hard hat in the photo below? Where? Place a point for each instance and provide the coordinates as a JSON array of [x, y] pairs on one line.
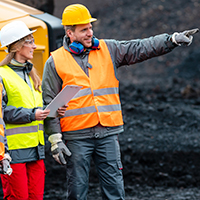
[[76, 14]]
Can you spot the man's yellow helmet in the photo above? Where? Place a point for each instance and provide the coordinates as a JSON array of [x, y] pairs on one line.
[[76, 14]]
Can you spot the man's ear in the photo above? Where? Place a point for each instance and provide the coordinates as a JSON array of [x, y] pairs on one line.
[[69, 33]]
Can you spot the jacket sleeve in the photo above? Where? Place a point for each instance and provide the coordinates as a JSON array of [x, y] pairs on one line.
[[135, 51], [51, 86], [5, 139]]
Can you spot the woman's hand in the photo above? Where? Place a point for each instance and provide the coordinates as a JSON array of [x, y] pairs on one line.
[[41, 114]]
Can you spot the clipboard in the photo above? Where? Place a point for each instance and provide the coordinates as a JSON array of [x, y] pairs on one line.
[[62, 98]]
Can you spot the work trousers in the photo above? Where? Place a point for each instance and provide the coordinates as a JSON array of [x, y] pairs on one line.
[[26, 181], [106, 155]]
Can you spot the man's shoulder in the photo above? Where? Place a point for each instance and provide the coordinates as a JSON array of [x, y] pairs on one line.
[[50, 59]]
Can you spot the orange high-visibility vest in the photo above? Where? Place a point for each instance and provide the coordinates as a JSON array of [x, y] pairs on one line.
[[2, 147], [98, 100]]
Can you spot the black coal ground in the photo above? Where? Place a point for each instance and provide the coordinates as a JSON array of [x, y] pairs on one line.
[[160, 146]]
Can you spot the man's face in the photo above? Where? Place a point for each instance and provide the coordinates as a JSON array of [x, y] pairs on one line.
[[83, 33]]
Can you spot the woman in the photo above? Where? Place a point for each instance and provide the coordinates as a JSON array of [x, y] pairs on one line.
[[23, 115]]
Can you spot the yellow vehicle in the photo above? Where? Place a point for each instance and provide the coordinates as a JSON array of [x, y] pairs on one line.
[[48, 36]]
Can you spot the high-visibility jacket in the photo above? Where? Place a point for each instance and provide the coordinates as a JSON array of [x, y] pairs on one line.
[[98, 100], [2, 147], [21, 136]]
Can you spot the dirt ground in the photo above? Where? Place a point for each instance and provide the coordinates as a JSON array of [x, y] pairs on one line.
[[160, 99]]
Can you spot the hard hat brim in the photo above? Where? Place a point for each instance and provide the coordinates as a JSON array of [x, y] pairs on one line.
[[82, 22]]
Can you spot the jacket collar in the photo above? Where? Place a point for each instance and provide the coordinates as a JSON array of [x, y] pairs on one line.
[[27, 66]]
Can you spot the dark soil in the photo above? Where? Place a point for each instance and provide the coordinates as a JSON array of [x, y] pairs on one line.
[[160, 98]]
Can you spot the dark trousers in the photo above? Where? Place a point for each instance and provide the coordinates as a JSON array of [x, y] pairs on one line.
[[106, 155]]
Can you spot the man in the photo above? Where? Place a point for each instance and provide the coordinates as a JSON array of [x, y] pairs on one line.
[[93, 119]]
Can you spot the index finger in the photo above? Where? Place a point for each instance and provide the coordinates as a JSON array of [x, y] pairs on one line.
[[46, 111], [192, 31]]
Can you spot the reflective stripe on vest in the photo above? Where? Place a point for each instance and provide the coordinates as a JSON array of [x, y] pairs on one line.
[[2, 147], [21, 136], [21, 130], [98, 100], [99, 92]]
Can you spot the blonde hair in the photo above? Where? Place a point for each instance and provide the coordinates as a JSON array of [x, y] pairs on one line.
[[12, 49]]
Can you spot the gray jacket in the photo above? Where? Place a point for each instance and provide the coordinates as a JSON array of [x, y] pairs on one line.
[[122, 53]]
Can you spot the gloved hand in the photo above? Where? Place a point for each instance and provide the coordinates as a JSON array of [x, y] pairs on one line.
[[5, 165], [184, 38], [58, 148]]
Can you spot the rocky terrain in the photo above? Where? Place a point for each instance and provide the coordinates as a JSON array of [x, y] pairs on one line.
[[160, 98]]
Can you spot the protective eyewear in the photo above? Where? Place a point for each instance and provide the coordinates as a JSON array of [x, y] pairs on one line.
[[30, 42]]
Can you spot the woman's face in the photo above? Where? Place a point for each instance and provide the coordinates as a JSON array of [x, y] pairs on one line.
[[26, 51]]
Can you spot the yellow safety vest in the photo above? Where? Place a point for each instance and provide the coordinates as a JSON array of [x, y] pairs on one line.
[[21, 136], [98, 100], [2, 147]]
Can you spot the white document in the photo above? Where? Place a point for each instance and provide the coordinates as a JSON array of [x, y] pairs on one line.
[[62, 98]]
